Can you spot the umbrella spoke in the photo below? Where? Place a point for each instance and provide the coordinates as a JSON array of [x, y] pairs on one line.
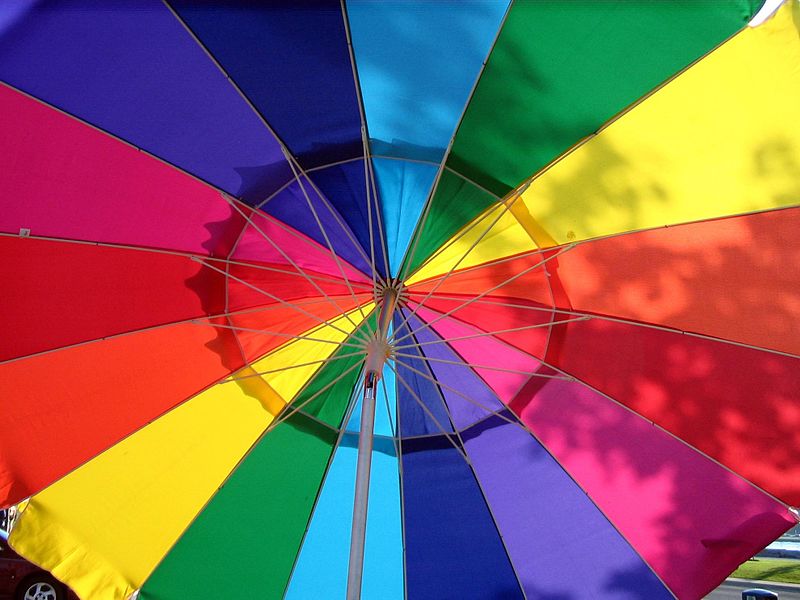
[[277, 247], [483, 294], [586, 316], [441, 280], [492, 333], [294, 409], [322, 361], [191, 320], [487, 409], [419, 401], [269, 333], [421, 223], [336, 259], [476, 366], [289, 304]]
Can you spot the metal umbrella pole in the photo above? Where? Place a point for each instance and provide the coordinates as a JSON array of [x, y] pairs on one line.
[[378, 351]]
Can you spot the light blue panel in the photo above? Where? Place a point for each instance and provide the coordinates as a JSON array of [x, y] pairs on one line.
[[403, 187], [321, 570], [417, 62], [385, 418]]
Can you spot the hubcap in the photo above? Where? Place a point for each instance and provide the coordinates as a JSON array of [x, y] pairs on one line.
[[40, 591]]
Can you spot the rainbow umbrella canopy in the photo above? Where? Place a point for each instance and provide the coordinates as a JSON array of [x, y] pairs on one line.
[[551, 248]]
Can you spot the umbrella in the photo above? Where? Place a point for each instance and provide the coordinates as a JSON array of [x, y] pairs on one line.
[[418, 299]]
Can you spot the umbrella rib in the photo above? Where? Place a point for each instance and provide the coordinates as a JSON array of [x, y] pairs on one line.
[[270, 333], [489, 410], [289, 304], [592, 316], [113, 136], [291, 261], [369, 176], [485, 499], [292, 409], [494, 262], [493, 333], [476, 366], [426, 325], [419, 401], [378, 220], [591, 388], [178, 253], [321, 361]]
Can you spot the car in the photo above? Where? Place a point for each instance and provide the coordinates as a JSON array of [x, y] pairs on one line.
[[23, 580]]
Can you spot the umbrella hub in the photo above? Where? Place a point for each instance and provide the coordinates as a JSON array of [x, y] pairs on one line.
[[379, 348]]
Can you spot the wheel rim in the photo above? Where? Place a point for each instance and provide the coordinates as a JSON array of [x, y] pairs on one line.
[[40, 591]]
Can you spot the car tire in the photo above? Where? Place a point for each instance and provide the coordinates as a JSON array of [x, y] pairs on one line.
[[40, 586]]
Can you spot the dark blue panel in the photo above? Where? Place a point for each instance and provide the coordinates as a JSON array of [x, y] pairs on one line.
[[345, 187], [415, 420], [292, 61], [135, 71], [453, 549], [291, 207]]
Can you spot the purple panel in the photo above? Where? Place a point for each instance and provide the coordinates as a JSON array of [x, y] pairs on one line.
[[291, 207], [137, 73], [459, 377], [560, 544]]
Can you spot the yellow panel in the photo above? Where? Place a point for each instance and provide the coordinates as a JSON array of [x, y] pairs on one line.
[[723, 138], [288, 382], [104, 527]]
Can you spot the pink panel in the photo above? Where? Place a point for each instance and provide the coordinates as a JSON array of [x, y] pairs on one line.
[[693, 521], [72, 181]]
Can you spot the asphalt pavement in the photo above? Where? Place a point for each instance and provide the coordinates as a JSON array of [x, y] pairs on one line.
[[732, 589]]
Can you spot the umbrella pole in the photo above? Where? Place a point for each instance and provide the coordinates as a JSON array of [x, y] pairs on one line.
[[377, 351], [359, 531]]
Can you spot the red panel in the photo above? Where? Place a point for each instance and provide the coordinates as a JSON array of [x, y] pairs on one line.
[[56, 293], [62, 408], [738, 405]]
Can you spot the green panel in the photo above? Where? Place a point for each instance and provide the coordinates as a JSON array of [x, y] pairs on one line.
[[559, 70], [455, 203], [243, 545]]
